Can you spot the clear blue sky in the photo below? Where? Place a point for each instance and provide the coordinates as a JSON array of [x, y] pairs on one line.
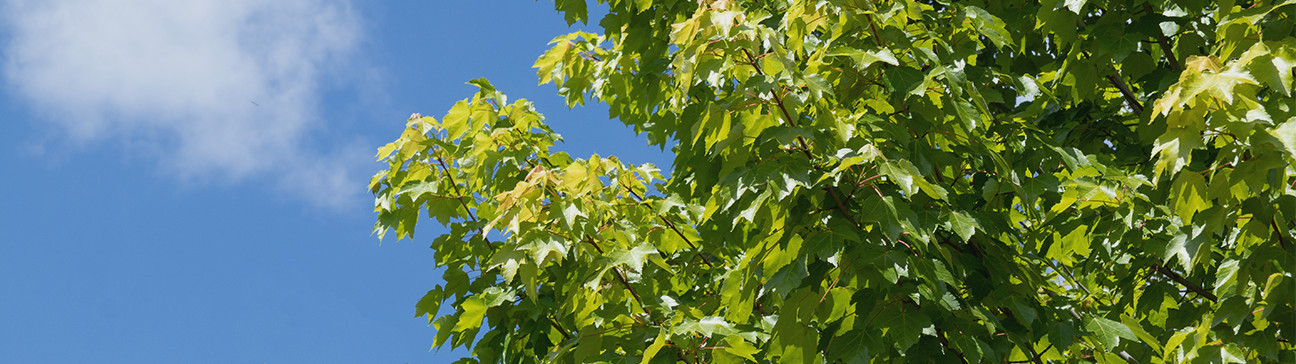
[[183, 181]]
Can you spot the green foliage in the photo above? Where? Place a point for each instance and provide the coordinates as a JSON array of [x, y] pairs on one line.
[[894, 180]]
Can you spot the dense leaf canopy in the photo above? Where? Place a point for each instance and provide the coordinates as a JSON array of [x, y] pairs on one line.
[[876, 180]]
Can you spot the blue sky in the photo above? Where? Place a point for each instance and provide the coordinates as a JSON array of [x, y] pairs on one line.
[[184, 181]]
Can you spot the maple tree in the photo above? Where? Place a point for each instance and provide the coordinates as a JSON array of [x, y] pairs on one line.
[[876, 180]]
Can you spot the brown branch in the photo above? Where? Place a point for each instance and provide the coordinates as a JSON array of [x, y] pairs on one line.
[[1281, 242], [1125, 91], [671, 226], [1165, 45], [804, 147], [945, 343], [482, 231], [1035, 356], [1077, 282], [779, 101], [559, 327], [622, 278], [842, 207], [1184, 282], [876, 37], [1169, 53]]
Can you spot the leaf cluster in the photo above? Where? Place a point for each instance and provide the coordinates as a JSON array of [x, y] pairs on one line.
[[894, 180]]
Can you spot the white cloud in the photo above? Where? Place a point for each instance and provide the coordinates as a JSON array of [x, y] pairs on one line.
[[225, 89]]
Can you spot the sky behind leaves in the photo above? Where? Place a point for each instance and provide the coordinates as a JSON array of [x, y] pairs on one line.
[[184, 180]]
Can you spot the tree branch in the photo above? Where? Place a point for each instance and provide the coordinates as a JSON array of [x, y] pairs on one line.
[[1281, 241], [1169, 53], [671, 226], [940, 334], [779, 101], [1195, 288], [842, 207], [1165, 45], [559, 327], [1125, 91], [876, 38], [481, 232], [1035, 356], [622, 278]]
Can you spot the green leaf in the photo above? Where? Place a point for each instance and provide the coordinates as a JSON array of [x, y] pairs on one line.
[[473, 310], [1024, 313], [1190, 196], [1287, 134], [573, 10], [544, 247], [632, 258], [737, 346], [507, 261], [905, 80], [1138, 331], [658, 343], [963, 224], [1109, 332], [1225, 276], [418, 189], [909, 326], [871, 182], [863, 58], [705, 326], [989, 25], [835, 304], [851, 347], [429, 304], [1075, 6]]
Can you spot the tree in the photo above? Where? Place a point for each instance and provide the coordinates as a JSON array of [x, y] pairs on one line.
[[854, 181]]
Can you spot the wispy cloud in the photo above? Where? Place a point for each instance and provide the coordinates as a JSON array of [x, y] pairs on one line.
[[225, 89]]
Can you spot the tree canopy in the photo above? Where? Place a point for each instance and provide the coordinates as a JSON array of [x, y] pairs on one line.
[[875, 180]]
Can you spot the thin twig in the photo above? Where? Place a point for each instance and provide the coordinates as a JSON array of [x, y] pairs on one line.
[[621, 277], [779, 101], [876, 37], [671, 226], [842, 207], [482, 231]]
